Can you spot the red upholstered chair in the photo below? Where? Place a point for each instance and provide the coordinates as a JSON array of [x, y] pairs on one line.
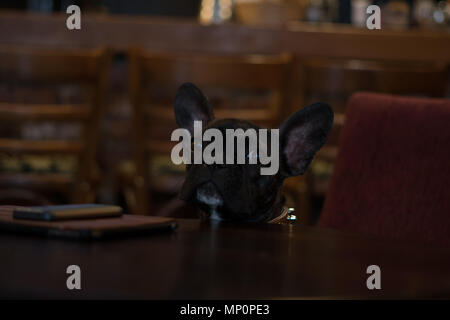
[[392, 175]]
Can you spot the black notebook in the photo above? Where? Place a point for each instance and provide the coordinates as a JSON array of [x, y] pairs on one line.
[[67, 212]]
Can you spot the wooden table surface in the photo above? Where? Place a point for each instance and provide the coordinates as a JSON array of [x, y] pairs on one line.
[[210, 261]]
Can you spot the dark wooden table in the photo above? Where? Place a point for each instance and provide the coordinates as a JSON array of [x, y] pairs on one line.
[[208, 261]]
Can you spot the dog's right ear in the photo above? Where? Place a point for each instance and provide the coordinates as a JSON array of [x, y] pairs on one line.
[[302, 135], [191, 105]]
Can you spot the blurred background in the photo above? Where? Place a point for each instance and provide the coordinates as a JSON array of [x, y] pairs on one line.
[[86, 115]]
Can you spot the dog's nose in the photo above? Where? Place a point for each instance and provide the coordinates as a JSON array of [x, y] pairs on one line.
[[219, 166], [209, 194]]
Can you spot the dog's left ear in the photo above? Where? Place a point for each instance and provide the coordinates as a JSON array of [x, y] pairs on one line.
[[191, 105], [302, 135]]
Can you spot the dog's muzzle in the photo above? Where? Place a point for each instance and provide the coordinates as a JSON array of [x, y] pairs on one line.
[[217, 191], [209, 195]]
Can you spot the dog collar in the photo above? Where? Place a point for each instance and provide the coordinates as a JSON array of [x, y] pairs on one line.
[[286, 215]]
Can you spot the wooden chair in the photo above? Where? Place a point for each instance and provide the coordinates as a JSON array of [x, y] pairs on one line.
[[25, 117], [334, 80], [250, 87]]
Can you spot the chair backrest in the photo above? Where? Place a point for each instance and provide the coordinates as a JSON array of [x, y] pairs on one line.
[[391, 176], [334, 80], [249, 87], [221, 77], [51, 101]]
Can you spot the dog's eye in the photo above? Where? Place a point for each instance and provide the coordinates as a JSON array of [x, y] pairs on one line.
[[252, 155], [196, 145]]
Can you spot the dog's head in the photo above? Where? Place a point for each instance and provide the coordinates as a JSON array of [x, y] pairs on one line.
[[239, 192]]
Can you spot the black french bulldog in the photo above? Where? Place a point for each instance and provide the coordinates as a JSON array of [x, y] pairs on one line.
[[238, 192]]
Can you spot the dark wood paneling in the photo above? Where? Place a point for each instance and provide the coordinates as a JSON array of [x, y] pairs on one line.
[[120, 32]]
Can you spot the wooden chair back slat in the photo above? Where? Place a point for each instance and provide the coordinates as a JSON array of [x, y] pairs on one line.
[[17, 112], [241, 72], [343, 77], [40, 146], [257, 115], [34, 181], [44, 64]]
